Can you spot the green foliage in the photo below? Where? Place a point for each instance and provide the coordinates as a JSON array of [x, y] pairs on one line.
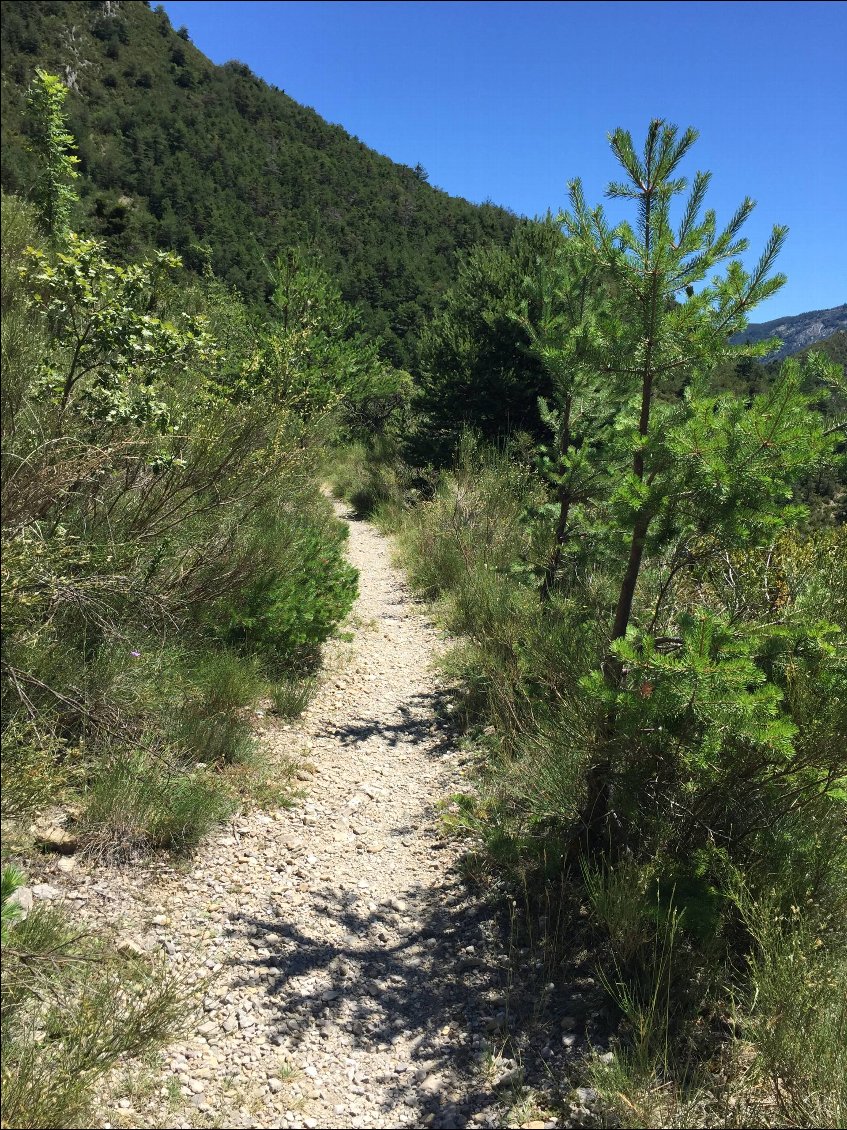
[[477, 366], [373, 477], [799, 1015], [291, 696], [11, 880], [70, 1010], [714, 723], [179, 154], [211, 725], [138, 803], [112, 356], [50, 144], [159, 502], [302, 586], [36, 765], [313, 354]]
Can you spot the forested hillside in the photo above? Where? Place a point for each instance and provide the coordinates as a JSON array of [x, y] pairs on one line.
[[212, 162]]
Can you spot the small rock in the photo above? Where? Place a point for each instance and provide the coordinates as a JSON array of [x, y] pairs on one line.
[[512, 1078], [130, 947], [23, 898], [45, 891], [275, 1085], [54, 838], [66, 863]]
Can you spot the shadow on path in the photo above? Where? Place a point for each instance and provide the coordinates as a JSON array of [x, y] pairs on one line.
[[418, 722], [427, 977]]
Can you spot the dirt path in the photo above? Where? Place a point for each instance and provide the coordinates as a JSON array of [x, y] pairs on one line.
[[353, 982]]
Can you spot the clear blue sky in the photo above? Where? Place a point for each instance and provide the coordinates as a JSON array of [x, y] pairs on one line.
[[508, 101]]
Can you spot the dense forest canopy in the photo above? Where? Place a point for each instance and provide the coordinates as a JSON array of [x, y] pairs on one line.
[[212, 162]]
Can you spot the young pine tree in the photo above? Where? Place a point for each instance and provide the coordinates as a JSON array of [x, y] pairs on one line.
[[694, 474]]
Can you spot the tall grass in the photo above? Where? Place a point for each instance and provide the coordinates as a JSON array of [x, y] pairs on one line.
[[372, 476], [71, 1008]]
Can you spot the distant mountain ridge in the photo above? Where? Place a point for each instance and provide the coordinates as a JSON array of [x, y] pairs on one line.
[[798, 331]]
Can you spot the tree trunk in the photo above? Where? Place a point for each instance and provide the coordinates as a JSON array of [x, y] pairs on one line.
[[630, 577], [565, 499], [552, 567]]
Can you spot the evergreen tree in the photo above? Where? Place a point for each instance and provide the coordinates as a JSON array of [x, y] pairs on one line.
[[694, 475], [478, 367]]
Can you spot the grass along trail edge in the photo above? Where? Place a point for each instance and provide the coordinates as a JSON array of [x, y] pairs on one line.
[[348, 978]]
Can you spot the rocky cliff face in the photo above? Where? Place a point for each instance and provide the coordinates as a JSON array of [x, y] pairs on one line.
[[799, 331]]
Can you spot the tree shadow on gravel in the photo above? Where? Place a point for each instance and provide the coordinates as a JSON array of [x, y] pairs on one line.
[[432, 980], [405, 978], [423, 720]]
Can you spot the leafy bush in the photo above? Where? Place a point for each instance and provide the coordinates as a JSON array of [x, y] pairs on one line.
[[303, 587]]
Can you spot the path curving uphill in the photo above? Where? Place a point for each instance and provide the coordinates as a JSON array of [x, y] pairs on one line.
[[352, 980]]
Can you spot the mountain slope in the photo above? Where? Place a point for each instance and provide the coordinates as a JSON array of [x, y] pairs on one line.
[[798, 332], [212, 161]]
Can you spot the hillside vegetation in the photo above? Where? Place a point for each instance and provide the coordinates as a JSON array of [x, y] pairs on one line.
[[213, 163], [168, 561], [633, 527]]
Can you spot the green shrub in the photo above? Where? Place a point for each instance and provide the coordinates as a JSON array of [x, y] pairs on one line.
[[137, 803], [211, 725], [224, 682], [303, 588], [35, 767], [779, 1060]]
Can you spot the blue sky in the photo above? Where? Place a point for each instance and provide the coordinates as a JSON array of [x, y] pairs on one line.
[[508, 101]]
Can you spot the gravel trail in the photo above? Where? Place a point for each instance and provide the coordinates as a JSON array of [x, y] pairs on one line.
[[351, 979]]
